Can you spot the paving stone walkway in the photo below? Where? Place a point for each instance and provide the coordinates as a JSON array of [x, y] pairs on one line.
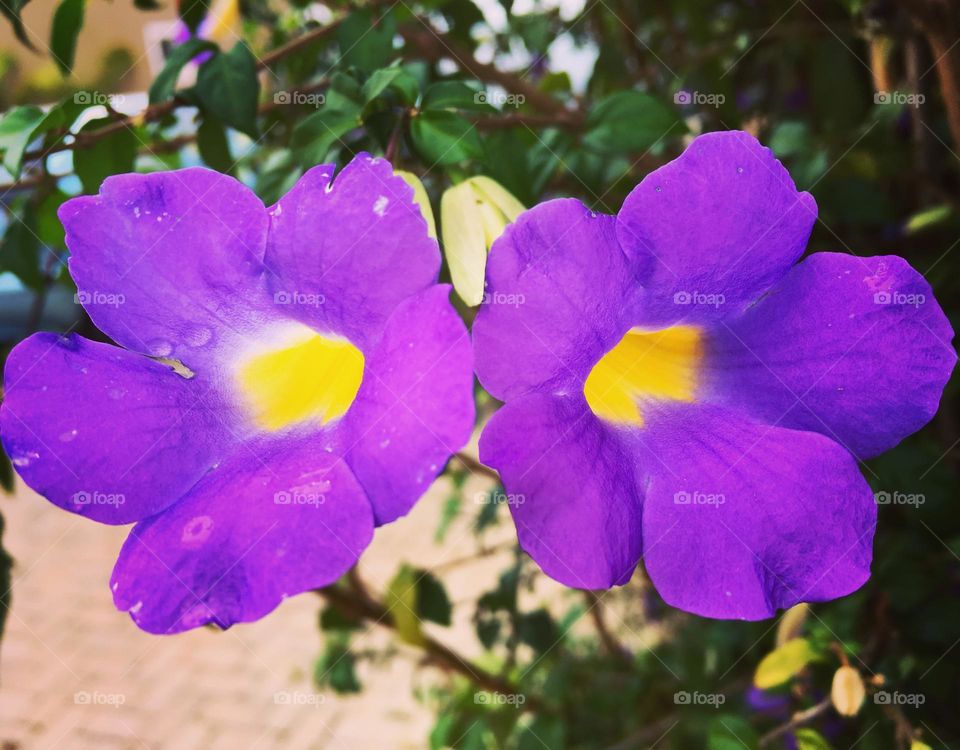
[[77, 675]]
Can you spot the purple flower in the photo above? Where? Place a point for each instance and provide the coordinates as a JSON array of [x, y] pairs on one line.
[[289, 378], [679, 388]]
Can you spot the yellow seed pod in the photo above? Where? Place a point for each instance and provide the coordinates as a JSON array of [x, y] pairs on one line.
[[847, 692]]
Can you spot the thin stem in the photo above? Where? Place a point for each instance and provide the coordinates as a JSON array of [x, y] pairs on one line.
[[475, 467], [357, 604], [796, 721]]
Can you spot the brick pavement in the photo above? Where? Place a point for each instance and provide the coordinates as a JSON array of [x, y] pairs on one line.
[[75, 674]]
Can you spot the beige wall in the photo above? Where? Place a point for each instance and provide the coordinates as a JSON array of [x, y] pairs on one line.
[[108, 25]]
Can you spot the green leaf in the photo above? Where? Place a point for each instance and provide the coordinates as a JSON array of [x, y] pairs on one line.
[[332, 618], [400, 599], [17, 130], [538, 630], [11, 9], [165, 83], [629, 121], [113, 154], [228, 87], [543, 731], [337, 667], [147, 5], [6, 473], [810, 739], [20, 248], [366, 39], [67, 22], [455, 95], [444, 138], [213, 145], [442, 731], [433, 604], [449, 513], [730, 732], [379, 81], [783, 663], [929, 217], [49, 228], [192, 12], [314, 136]]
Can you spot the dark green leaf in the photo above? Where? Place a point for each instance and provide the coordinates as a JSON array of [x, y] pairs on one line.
[[444, 138], [67, 22], [730, 732], [192, 12], [543, 731], [433, 604], [11, 10], [378, 82], [20, 248], [213, 145], [313, 137], [113, 154], [366, 39], [337, 667], [332, 618], [455, 95], [228, 87], [165, 83], [538, 630], [629, 121], [49, 228], [147, 4]]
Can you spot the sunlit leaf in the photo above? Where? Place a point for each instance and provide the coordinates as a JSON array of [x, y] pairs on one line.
[[783, 663], [67, 22]]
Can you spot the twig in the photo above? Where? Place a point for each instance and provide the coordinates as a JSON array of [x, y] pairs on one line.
[[475, 467], [607, 638], [359, 605], [796, 721]]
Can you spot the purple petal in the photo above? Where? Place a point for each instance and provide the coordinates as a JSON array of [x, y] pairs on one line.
[[357, 244], [557, 282], [169, 264], [262, 527], [742, 519], [415, 407], [573, 487], [713, 229], [854, 348], [102, 432]]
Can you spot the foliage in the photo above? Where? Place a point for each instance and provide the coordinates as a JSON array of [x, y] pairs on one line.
[[849, 96]]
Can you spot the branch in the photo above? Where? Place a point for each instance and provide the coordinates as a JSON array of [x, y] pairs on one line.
[[475, 467], [796, 721], [434, 47], [357, 604], [608, 639]]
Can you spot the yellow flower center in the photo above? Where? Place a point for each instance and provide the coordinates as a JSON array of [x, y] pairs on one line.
[[644, 366], [313, 377]]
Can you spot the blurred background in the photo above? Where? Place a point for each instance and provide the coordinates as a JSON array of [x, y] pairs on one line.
[[861, 101]]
